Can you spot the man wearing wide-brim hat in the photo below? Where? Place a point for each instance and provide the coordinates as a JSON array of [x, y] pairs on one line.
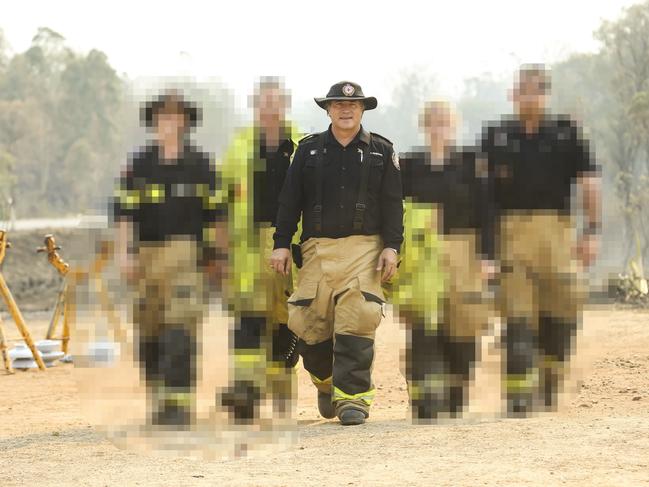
[[345, 184], [347, 91]]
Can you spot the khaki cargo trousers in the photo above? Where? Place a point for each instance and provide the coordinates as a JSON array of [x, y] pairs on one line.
[[335, 310], [541, 298]]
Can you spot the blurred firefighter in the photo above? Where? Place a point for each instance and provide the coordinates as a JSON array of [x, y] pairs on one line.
[[536, 161], [441, 293], [345, 184], [169, 215], [254, 169]]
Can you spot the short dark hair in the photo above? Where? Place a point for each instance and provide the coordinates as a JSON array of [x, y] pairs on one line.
[[536, 70], [170, 97]]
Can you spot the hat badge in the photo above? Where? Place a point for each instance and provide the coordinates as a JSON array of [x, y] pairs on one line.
[[348, 90]]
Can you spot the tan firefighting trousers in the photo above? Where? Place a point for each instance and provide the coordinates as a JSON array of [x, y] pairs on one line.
[[168, 309], [171, 288], [335, 311], [466, 307], [541, 290], [539, 272]]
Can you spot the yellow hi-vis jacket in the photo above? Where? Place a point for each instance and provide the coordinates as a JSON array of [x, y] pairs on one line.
[[419, 284], [250, 245]]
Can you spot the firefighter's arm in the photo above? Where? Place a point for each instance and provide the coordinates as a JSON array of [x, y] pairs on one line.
[[215, 241], [125, 207], [215, 253], [126, 252], [288, 215], [588, 243]]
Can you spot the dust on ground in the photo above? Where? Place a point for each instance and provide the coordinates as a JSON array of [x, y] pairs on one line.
[[600, 436]]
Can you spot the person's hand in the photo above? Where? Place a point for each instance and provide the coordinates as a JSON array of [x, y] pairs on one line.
[[280, 260], [388, 264], [587, 249], [216, 267], [128, 267]]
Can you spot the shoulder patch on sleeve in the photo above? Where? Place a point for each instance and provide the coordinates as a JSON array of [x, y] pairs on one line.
[[395, 160]]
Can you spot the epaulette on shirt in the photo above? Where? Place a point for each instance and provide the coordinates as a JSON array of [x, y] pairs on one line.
[[563, 119], [380, 137], [308, 138], [566, 123]]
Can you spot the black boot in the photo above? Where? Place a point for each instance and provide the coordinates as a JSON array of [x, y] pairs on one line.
[[242, 400], [427, 374], [520, 368], [318, 361], [170, 413], [461, 357], [326, 407], [176, 371], [351, 417], [556, 338], [243, 395]]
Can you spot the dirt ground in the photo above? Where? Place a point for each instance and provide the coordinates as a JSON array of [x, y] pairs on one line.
[[599, 437]]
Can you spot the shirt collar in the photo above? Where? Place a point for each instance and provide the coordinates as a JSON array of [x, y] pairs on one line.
[[156, 149], [285, 143], [362, 136], [545, 123]]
